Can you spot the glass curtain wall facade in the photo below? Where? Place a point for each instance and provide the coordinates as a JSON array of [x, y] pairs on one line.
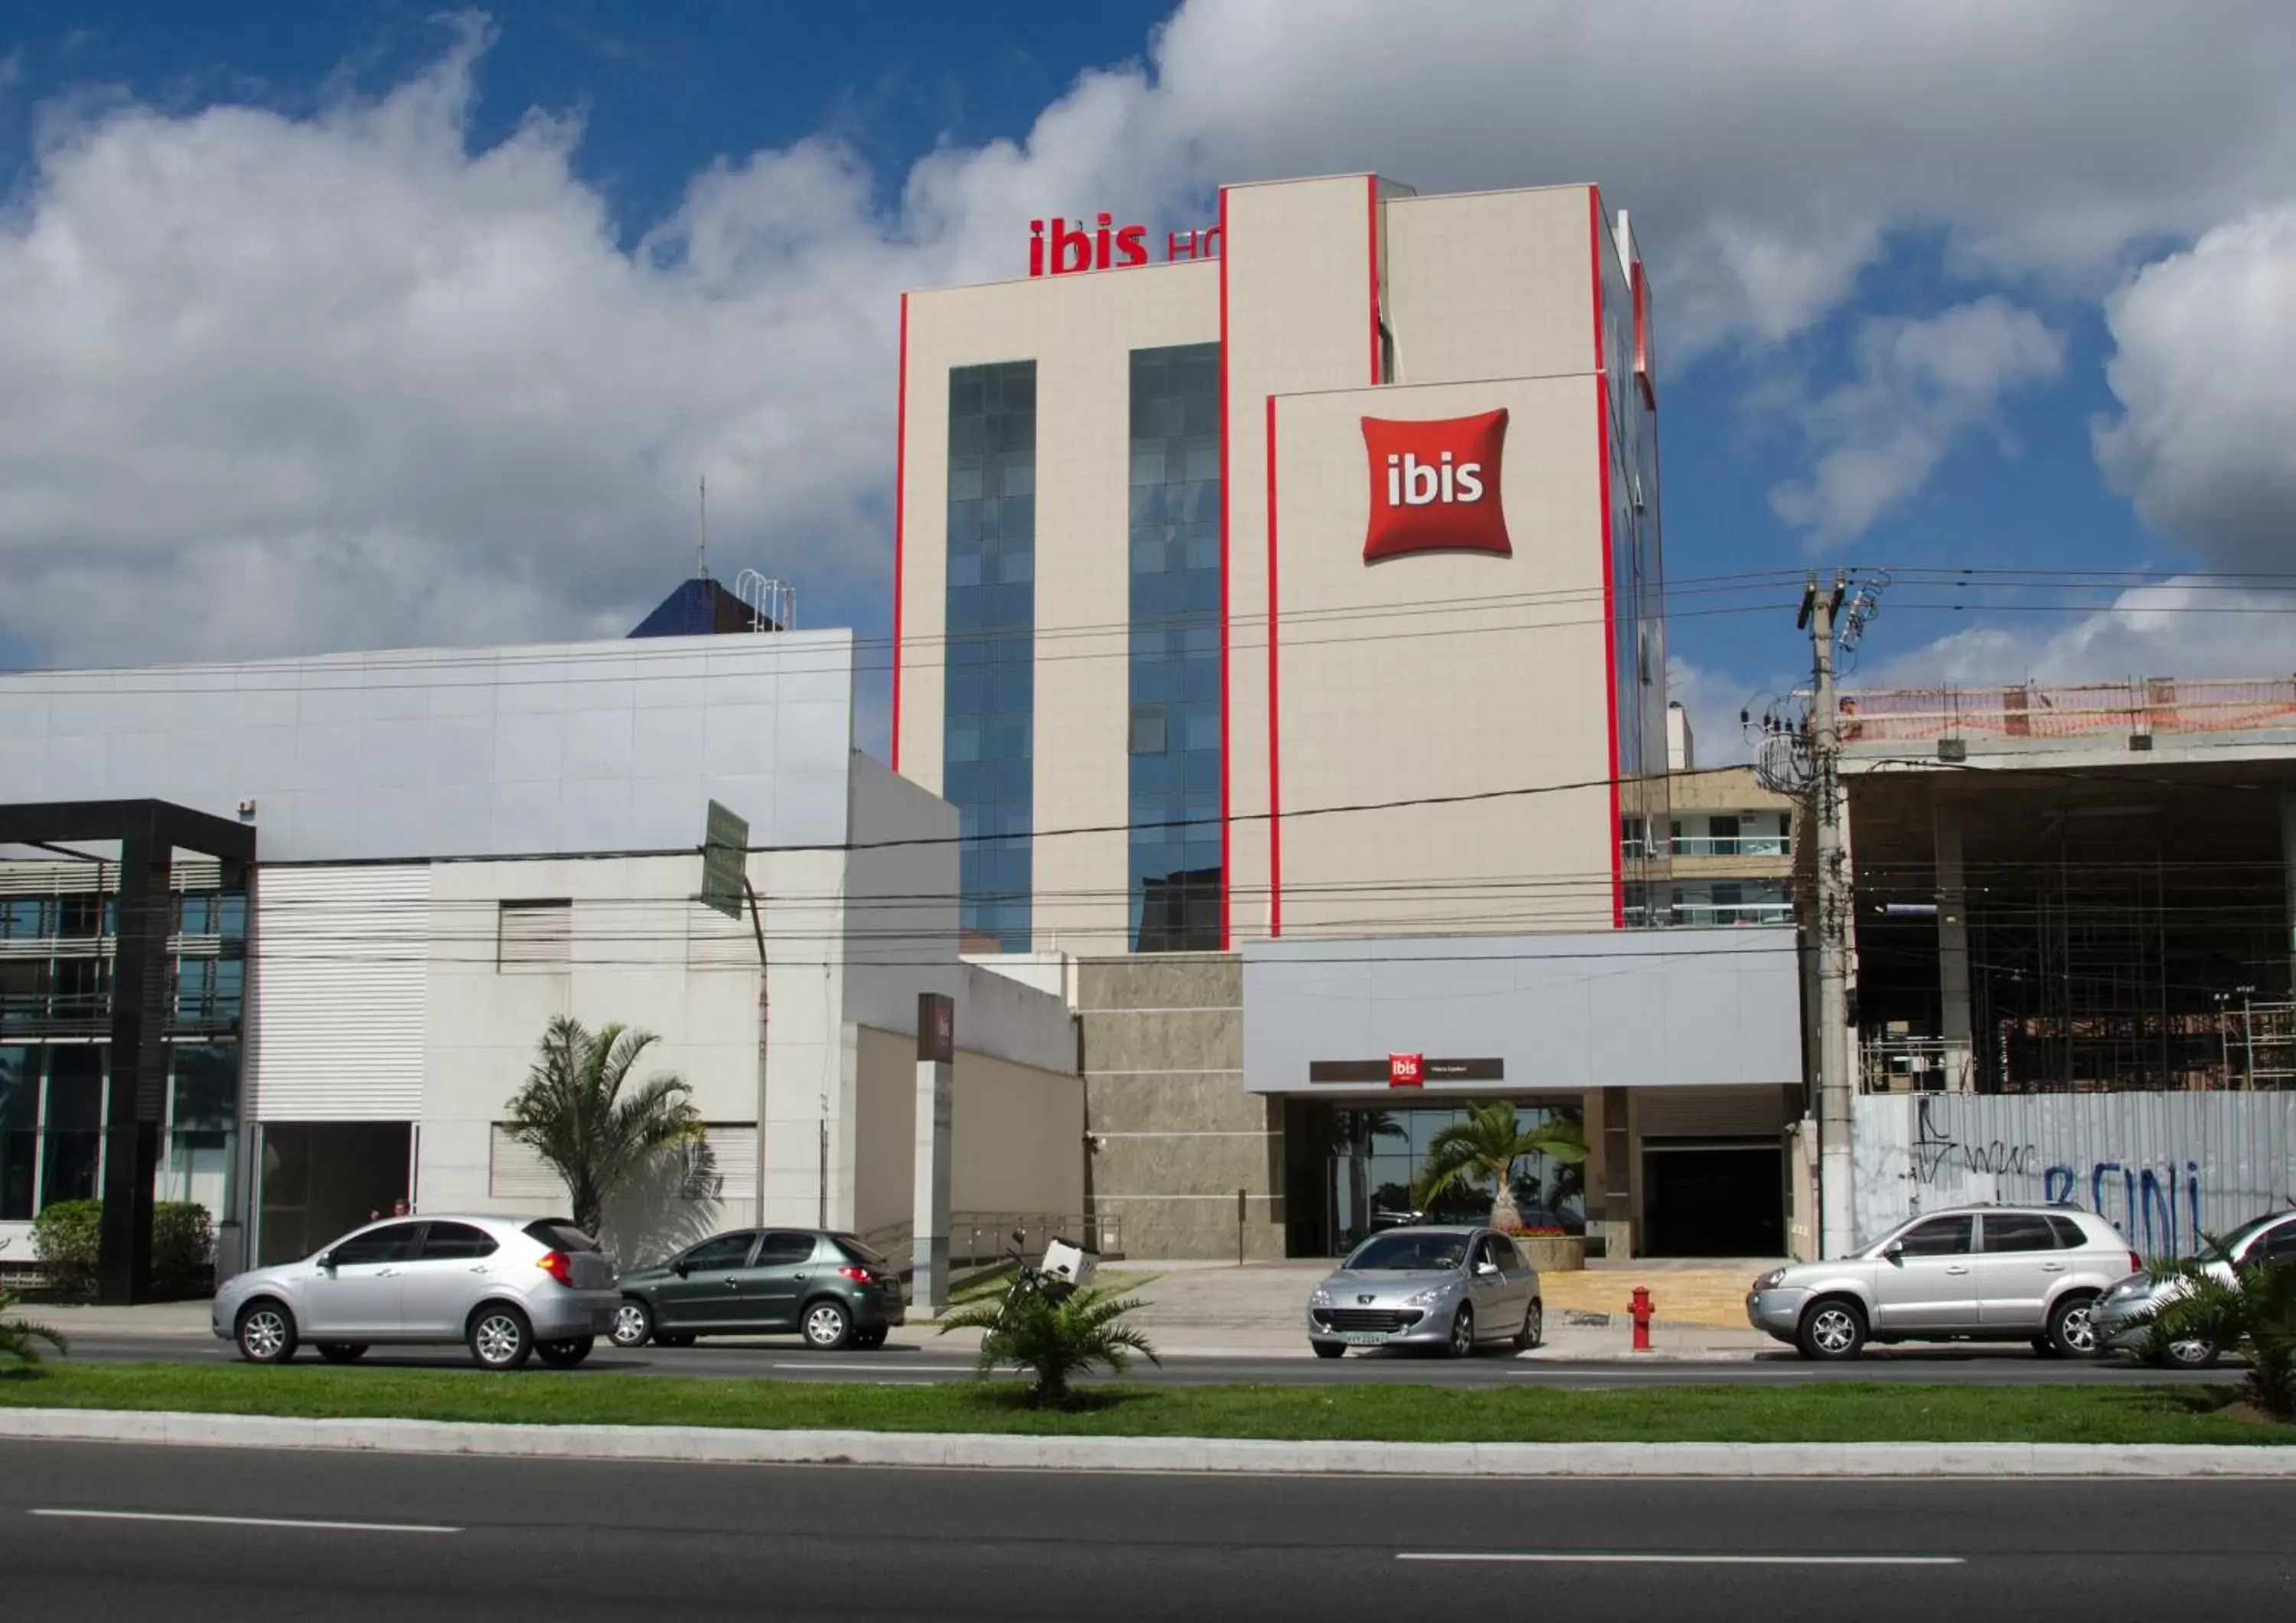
[[56, 953], [1175, 723], [1376, 1156], [990, 655]]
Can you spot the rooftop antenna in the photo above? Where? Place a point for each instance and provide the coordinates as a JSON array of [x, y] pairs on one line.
[[702, 536]]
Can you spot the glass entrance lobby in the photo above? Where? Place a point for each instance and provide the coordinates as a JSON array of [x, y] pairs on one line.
[[1354, 1169]]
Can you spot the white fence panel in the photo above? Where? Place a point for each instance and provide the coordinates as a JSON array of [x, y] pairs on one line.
[[2165, 1168]]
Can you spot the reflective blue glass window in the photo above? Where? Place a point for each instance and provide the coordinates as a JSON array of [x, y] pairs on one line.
[[1174, 726], [990, 661]]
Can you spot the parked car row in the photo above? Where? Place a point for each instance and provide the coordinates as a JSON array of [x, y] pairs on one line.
[[2058, 1276], [513, 1288]]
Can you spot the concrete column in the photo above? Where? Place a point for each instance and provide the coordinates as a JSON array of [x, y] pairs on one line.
[[1953, 949], [935, 1100], [2288, 877]]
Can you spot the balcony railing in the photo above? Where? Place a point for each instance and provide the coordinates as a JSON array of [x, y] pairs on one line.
[[1700, 915], [1733, 845]]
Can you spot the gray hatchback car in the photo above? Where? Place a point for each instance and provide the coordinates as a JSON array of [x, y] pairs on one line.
[[831, 1287], [507, 1287], [1452, 1289]]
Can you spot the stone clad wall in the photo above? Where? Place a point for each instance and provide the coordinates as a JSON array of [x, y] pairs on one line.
[[1163, 1064]]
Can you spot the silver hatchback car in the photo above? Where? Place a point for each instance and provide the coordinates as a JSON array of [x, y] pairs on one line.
[[507, 1287], [1449, 1288]]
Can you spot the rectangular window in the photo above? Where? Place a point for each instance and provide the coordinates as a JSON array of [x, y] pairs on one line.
[[72, 1142], [534, 937], [1175, 504], [19, 1120], [989, 654]]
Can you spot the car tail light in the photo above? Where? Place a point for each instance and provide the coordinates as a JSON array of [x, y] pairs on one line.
[[2136, 1263], [858, 1275], [557, 1266]]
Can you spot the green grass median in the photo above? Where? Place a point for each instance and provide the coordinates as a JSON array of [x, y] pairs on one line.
[[1833, 1412]]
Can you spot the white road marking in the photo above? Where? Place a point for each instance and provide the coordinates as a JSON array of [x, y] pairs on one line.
[[885, 1369], [1623, 1558], [249, 1521]]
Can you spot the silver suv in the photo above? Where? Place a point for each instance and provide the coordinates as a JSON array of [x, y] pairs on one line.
[[507, 1287], [1973, 1274]]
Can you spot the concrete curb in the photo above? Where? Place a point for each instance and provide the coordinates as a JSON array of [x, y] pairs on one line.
[[974, 1451]]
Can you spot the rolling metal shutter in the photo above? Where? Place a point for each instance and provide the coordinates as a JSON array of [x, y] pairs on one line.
[[337, 1028]]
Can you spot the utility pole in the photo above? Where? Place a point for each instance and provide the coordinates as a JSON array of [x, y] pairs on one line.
[[1836, 1087], [765, 1023]]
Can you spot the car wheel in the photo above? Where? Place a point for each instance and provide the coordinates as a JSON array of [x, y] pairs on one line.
[[1329, 1349], [2186, 1355], [827, 1326], [266, 1332], [673, 1340], [342, 1352], [1832, 1329], [1534, 1326], [633, 1322], [2072, 1328], [500, 1337], [565, 1355], [1463, 1333]]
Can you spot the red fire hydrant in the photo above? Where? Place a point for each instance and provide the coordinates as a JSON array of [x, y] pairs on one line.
[[1640, 1311]]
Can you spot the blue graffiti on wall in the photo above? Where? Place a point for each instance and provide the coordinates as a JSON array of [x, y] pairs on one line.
[[2148, 1201]]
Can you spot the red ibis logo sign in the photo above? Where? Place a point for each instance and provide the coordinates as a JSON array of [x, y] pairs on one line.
[[1405, 1070], [1435, 486]]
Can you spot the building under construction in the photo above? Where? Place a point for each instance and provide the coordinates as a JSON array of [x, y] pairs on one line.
[[2073, 889]]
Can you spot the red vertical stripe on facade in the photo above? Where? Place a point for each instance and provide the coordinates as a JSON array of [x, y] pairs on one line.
[[1227, 749], [1275, 711], [900, 519], [1371, 187], [1610, 607]]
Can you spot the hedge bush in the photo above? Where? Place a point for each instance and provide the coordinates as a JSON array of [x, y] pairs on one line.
[[183, 1247], [68, 1238]]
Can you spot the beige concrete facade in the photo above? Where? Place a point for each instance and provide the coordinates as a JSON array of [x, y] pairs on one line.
[[1428, 676]]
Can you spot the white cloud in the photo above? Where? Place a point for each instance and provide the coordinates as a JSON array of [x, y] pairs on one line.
[[271, 382], [2205, 370], [2185, 627], [1920, 386]]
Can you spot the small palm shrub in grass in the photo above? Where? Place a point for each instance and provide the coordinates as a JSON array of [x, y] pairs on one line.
[[20, 1338], [1056, 1341], [2254, 1313]]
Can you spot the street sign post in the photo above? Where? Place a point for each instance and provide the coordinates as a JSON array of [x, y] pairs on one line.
[[724, 849]]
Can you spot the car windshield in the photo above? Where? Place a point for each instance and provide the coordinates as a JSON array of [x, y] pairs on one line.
[[1409, 1253], [2240, 1235]]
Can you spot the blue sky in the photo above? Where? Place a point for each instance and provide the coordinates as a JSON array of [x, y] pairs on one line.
[[1911, 263]]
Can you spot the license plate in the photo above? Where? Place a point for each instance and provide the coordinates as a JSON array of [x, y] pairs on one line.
[[1364, 1338]]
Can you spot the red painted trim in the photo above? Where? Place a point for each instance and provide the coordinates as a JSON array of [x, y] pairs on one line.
[[900, 514], [1227, 737], [1371, 187], [1609, 609], [1275, 711]]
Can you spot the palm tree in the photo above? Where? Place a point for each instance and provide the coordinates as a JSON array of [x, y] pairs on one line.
[[573, 1114], [1057, 1339], [2250, 1306], [18, 1337], [1485, 1148]]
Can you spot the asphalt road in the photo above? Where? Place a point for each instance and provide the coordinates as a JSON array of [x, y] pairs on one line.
[[785, 1359], [92, 1530]]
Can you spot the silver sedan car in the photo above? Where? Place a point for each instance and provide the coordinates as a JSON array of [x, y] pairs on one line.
[[2124, 1315], [1454, 1289], [507, 1287]]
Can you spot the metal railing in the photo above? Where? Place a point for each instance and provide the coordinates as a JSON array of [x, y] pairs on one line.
[[1733, 845], [2067, 710], [1709, 915], [979, 1239]]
